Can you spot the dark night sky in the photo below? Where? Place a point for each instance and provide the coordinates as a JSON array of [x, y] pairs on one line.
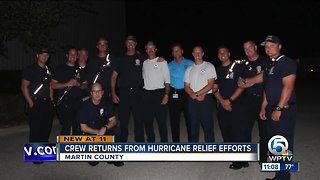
[[214, 23]]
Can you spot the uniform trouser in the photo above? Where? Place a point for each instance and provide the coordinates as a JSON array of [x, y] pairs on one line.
[[130, 101], [201, 112], [115, 131], [67, 113], [253, 105], [40, 121], [232, 123], [154, 108], [176, 107], [284, 127]]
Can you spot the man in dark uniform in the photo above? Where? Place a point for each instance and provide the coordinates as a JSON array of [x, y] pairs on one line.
[[97, 117], [279, 101], [82, 63], [99, 68], [129, 69], [256, 64], [69, 81], [231, 102], [35, 86]]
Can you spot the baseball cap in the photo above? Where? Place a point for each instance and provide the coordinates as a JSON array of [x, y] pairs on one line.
[[42, 50], [271, 38], [150, 43], [131, 37]]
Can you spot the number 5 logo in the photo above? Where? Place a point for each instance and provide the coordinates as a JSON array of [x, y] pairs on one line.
[[278, 144]]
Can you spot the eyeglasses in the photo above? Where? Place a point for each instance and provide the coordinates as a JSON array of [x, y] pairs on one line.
[[97, 91]]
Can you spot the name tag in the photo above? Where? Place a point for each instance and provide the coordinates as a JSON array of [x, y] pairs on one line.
[[175, 96]]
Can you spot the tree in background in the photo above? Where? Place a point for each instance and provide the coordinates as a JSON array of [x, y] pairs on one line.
[[30, 22]]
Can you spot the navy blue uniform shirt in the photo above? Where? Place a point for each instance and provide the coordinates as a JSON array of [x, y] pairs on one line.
[[95, 116], [65, 73], [94, 66], [228, 86], [129, 69], [255, 67], [36, 75], [285, 66]]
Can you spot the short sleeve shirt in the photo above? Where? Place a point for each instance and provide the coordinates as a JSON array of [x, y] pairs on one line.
[[198, 75], [95, 66], [177, 72], [155, 74], [285, 66], [65, 73], [95, 116], [227, 81], [36, 76], [256, 67], [129, 69]]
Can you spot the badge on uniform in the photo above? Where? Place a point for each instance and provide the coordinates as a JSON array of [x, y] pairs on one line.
[[101, 111], [78, 76], [203, 71], [175, 96], [155, 66], [137, 62], [230, 76], [271, 70], [258, 69]]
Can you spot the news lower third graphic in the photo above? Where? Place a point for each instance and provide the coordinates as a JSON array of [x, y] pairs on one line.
[[103, 148], [280, 156]]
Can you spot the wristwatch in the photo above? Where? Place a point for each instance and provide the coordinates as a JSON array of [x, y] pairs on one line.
[[278, 108]]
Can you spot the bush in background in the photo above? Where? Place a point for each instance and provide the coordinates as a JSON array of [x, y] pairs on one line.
[[11, 110]]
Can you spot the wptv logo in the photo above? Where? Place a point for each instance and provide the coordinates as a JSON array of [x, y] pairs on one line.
[[278, 146]]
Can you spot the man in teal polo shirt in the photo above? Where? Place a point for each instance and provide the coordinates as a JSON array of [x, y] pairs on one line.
[[178, 97]]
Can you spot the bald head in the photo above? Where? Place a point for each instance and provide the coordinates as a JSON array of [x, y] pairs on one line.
[[96, 93], [96, 86]]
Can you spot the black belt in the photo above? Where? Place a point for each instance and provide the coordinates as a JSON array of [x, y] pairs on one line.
[[176, 90], [155, 90], [130, 88], [254, 94], [41, 99]]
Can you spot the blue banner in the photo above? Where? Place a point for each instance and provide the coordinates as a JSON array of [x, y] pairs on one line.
[[293, 166], [158, 147], [40, 152]]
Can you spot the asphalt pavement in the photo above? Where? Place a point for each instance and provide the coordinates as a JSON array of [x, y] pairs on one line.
[[306, 146]]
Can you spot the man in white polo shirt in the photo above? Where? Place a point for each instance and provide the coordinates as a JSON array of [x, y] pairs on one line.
[[156, 78], [199, 79]]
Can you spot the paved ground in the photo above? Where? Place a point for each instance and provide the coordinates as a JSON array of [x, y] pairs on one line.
[[306, 147]]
